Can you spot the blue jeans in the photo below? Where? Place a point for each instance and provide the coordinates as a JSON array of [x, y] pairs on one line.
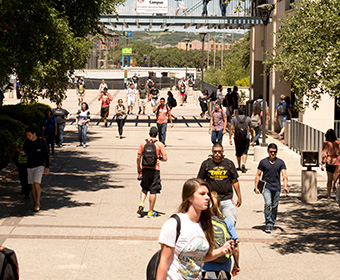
[[271, 203], [228, 210], [258, 131], [162, 131], [60, 134], [82, 130], [223, 8], [205, 11], [217, 135]]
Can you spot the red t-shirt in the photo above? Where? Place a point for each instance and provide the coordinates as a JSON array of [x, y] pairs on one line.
[[163, 113], [106, 100]]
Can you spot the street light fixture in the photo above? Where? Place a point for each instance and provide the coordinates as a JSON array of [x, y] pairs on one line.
[[265, 12], [186, 40], [202, 37]]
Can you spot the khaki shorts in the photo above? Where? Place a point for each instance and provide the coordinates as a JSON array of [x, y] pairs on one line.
[[142, 102], [34, 175]]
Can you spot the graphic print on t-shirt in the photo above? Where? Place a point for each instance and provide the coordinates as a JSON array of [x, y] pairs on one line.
[[218, 173], [192, 256]]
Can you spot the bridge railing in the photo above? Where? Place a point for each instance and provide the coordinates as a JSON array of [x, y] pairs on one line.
[[301, 137]]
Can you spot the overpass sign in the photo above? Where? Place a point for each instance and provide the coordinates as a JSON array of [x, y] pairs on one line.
[[152, 6]]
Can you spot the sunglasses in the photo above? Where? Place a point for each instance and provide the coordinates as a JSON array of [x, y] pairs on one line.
[[217, 152], [273, 152]]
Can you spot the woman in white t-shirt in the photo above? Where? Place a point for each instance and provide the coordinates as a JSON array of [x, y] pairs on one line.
[[83, 118], [184, 259]]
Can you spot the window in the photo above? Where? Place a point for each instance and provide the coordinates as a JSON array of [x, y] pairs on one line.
[[289, 4]]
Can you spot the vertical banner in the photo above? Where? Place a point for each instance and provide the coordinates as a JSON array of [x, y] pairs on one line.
[[152, 6]]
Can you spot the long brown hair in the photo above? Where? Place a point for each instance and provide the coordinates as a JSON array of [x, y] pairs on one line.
[[189, 188]]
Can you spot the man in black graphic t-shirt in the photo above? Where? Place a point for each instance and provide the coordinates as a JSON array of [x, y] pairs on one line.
[[221, 175]]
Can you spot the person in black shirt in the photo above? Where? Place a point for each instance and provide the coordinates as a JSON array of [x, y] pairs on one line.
[[61, 115], [221, 175], [37, 163], [271, 167], [154, 94], [235, 96]]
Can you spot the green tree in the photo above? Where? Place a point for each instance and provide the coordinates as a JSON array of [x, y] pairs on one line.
[[308, 50], [42, 41], [235, 64]]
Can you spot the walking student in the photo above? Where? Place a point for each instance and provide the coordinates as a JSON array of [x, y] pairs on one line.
[[49, 129], [330, 154], [106, 98], [150, 153], [120, 117], [241, 124], [131, 98], [282, 113], [154, 95], [83, 119], [35, 149], [80, 91], [218, 124], [271, 169], [102, 86], [203, 99], [221, 175], [184, 258], [61, 116], [163, 114], [143, 97]]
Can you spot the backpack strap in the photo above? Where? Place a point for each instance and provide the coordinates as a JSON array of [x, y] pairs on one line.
[[8, 255], [178, 228]]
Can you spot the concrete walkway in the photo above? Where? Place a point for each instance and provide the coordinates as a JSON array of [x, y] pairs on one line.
[[88, 227]]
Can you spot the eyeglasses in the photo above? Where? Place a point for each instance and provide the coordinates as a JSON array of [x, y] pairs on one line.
[[273, 152], [217, 152]]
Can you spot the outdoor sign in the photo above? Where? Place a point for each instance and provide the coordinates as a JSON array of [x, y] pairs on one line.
[[127, 33], [126, 51], [152, 6]]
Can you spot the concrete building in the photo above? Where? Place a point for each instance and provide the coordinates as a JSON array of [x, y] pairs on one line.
[[208, 46], [323, 117]]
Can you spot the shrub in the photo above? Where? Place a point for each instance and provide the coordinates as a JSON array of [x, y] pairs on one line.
[[6, 144], [14, 127]]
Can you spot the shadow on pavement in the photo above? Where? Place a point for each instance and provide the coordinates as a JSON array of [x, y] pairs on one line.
[[311, 228]]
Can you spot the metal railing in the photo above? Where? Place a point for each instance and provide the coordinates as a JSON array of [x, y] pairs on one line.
[[301, 137], [337, 128]]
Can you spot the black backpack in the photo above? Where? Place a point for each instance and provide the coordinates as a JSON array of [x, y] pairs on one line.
[[241, 128], [9, 269], [174, 103], [151, 270], [281, 108], [149, 154]]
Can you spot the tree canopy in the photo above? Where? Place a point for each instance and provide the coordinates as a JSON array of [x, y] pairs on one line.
[[42, 41], [307, 52]]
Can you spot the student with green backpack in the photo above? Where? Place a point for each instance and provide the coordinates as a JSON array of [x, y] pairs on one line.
[[224, 230]]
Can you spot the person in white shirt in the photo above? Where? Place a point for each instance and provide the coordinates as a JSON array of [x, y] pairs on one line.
[[131, 97], [195, 245], [102, 86]]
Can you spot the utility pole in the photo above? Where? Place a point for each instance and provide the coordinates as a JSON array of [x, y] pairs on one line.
[[215, 52], [208, 50], [222, 46]]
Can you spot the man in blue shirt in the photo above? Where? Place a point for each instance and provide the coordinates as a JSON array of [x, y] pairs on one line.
[[271, 167], [282, 113]]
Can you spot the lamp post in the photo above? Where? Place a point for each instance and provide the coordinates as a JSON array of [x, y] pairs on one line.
[[202, 36], [264, 12], [186, 57]]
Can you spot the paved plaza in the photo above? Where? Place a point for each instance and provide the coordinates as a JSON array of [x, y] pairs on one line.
[[88, 227]]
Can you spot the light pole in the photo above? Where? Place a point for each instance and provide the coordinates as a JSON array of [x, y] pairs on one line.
[[186, 57], [264, 12], [202, 36]]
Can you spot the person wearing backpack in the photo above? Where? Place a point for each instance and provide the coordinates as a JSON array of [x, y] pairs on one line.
[[218, 124], [150, 153], [221, 175], [183, 258], [163, 114], [224, 230], [171, 103], [241, 124], [282, 113]]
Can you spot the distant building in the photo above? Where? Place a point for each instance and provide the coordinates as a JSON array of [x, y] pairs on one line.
[[208, 46]]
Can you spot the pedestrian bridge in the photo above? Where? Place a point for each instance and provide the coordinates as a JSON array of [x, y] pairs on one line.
[[131, 17]]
